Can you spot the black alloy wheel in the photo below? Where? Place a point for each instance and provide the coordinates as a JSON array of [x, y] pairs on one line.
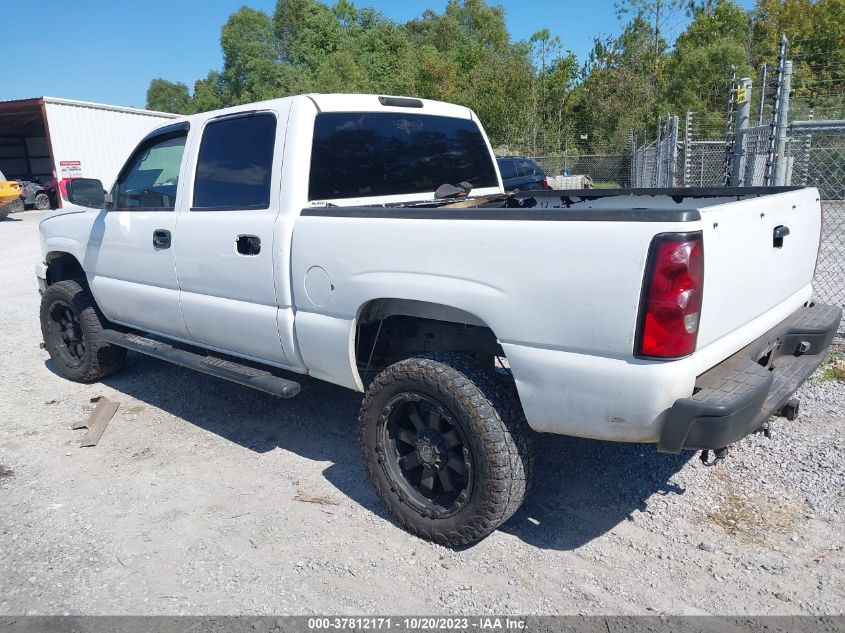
[[427, 454]]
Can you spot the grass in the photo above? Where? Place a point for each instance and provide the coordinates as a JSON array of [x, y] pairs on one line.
[[605, 185], [834, 367]]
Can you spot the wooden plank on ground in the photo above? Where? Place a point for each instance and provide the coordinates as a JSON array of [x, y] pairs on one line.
[[97, 421]]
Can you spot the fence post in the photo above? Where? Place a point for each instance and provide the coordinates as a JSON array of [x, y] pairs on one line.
[[743, 118], [782, 126], [763, 71], [672, 152], [729, 129], [806, 148], [687, 150], [658, 155], [777, 105]]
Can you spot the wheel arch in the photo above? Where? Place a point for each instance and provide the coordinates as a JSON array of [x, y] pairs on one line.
[[64, 266], [391, 329]]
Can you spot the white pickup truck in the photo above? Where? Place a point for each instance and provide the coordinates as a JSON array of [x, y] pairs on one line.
[[314, 235]]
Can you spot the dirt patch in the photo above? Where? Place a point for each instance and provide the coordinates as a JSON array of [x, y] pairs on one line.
[[321, 500], [143, 454], [6, 472], [751, 516]]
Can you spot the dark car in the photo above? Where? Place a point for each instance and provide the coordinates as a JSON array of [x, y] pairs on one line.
[[521, 174], [34, 195]]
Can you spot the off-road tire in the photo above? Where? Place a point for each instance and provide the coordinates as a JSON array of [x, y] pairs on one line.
[[99, 358], [15, 206], [41, 202], [499, 444]]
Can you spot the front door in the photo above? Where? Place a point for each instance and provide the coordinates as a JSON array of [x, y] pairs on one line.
[[225, 255], [131, 247]]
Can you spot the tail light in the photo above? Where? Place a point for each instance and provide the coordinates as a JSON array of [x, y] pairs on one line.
[[671, 300], [546, 182]]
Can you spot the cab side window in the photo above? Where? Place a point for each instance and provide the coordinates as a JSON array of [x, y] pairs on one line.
[[235, 163], [150, 178]]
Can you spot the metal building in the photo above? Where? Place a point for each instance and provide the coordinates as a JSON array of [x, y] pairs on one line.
[[47, 137]]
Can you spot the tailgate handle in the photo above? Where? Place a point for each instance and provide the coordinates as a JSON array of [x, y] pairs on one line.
[[778, 234]]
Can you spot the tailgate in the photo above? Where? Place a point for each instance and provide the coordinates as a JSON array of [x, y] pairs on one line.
[[746, 273]]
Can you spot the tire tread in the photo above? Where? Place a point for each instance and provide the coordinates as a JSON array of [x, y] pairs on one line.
[[498, 415]]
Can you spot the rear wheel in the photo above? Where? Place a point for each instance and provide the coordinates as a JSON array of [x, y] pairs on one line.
[[446, 447], [71, 327]]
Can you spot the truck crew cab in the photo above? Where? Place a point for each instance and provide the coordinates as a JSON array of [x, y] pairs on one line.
[[367, 241]]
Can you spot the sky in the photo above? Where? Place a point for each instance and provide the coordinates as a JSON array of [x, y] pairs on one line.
[[109, 50]]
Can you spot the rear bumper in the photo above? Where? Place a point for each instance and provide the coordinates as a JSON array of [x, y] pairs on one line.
[[738, 395]]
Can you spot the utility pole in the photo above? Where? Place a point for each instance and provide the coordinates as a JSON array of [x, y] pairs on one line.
[[743, 117]]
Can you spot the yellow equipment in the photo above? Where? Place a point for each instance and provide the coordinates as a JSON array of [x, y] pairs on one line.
[[10, 190]]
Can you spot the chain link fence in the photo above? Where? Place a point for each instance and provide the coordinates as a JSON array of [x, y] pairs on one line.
[[605, 170], [703, 163], [816, 157], [753, 155]]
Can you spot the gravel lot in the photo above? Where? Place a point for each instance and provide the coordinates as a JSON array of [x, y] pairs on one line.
[[206, 497]]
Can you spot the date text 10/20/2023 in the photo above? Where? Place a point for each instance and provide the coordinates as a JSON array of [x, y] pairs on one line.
[[416, 623]]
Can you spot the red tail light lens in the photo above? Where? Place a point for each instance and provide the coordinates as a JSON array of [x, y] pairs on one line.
[[671, 304], [546, 182]]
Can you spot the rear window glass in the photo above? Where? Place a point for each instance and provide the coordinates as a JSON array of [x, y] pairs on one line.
[[235, 163], [386, 153]]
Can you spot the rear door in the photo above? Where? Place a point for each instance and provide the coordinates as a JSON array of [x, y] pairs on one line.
[[748, 270], [225, 254]]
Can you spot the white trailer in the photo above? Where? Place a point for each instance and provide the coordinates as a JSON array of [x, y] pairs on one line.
[[47, 138]]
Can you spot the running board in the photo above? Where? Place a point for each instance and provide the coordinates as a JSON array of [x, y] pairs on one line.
[[227, 370]]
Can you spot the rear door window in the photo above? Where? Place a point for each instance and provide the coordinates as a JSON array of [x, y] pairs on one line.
[[363, 154], [235, 163], [528, 168], [507, 168]]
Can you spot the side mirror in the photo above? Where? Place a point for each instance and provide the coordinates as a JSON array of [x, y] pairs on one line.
[[86, 192]]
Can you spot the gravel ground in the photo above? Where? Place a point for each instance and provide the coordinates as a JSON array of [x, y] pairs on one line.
[[206, 497]]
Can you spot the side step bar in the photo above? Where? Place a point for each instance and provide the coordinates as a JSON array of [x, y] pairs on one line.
[[228, 370]]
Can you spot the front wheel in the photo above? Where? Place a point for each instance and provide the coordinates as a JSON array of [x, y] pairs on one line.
[[446, 447], [15, 206], [71, 326]]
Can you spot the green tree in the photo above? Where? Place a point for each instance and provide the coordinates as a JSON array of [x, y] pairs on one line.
[[697, 71], [617, 92], [209, 93], [166, 96], [249, 56]]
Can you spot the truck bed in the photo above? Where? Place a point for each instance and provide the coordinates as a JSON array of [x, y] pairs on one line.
[[557, 277]]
